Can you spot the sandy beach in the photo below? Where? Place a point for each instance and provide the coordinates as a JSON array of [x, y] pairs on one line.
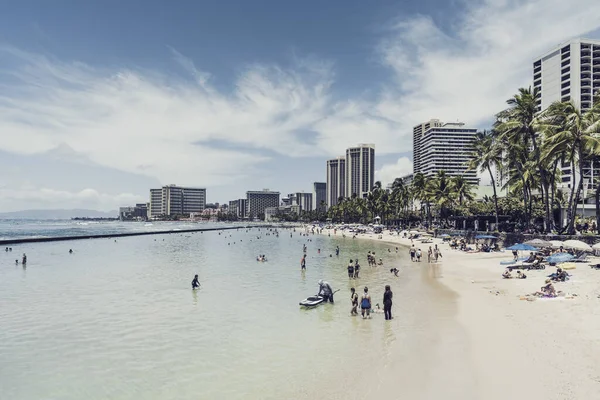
[[516, 349]]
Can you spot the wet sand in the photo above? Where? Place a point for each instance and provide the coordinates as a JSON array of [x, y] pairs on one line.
[[490, 344]]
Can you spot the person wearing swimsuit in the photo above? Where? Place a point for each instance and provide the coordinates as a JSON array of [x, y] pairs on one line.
[[356, 269], [350, 270], [195, 283], [303, 262], [365, 304], [354, 301]]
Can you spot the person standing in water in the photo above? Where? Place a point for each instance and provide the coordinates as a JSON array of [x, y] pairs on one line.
[[350, 270], [365, 304], [24, 261], [356, 269], [354, 302], [337, 250], [303, 262], [195, 283], [387, 302]]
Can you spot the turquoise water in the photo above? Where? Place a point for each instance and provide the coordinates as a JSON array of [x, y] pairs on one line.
[[118, 319]]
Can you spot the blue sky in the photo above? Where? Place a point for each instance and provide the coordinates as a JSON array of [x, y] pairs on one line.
[[101, 100]]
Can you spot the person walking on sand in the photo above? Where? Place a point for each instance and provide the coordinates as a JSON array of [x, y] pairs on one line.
[[365, 304], [412, 253], [354, 302], [418, 255], [387, 302]]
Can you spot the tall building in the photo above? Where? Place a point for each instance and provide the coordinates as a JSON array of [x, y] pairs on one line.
[[319, 201], [238, 208], [360, 170], [570, 71], [176, 200], [336, 180], [303, 200], [257, 201], [417, 134], [444, 147]]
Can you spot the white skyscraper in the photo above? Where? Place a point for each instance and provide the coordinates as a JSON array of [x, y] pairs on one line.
[[443, 147], [360, 170], [336, 180], [570, 71]]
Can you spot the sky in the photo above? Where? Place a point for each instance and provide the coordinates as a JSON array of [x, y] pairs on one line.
[[102, 100]]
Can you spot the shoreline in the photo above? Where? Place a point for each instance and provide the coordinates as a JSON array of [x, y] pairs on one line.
[[546, 348]]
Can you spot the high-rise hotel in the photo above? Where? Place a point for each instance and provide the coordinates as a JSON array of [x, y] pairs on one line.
[[351, 174], [439, 146], [570, 71]]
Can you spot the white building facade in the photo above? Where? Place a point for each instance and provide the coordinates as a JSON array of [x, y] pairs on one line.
[[176, 200], [570, 71], [444, 147], [360, 170], [336, 180]]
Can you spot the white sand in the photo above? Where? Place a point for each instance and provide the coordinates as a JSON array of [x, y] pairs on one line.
[[516, 349]]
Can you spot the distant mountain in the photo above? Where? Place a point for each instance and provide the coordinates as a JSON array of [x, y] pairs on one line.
[[58, 214]]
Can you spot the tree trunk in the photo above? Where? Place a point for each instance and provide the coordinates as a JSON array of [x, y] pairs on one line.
[[598, 207], [570, 208], [571, 229], [495, 197]]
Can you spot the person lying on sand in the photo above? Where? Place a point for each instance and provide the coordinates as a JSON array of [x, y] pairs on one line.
[[521, 275]]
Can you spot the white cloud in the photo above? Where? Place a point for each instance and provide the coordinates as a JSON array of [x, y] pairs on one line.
[[389, 172], [162, 126], [28, 196]]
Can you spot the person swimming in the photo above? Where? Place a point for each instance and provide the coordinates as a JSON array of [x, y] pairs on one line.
[[394, 271], [195, 283]]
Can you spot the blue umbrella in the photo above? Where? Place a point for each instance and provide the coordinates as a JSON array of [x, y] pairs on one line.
[[522, 247], [560, 258], [485, 237]]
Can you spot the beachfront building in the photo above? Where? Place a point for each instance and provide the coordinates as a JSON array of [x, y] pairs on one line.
[[176, 200], [273, 214], [237, 208], [360, 170], [301, 199], [135, 213], [336, 180], [570, 72], [439, 146], [319, 200], [258, 201]]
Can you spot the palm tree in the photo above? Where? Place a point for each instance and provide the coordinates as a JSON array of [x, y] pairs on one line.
[[487, 155], [519, 123], [419, 191], [462, 189], [441, 192], [576, 133]]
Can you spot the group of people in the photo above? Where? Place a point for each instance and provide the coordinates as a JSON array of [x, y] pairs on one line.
[[261, 258], [366, 305], [353, 269], [508, 275], [371, 259]]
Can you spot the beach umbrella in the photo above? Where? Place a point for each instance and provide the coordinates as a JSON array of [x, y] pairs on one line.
[[485, 237], [522, 247], [414, 232], [560, 258], [596, 246], [577, 245], [539, 243], [557, 244]]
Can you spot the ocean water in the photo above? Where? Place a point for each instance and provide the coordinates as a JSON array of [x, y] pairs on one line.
[[117, 319], [28, 228]]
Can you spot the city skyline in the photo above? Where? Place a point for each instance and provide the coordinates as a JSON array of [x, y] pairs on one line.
[[224, 94]]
